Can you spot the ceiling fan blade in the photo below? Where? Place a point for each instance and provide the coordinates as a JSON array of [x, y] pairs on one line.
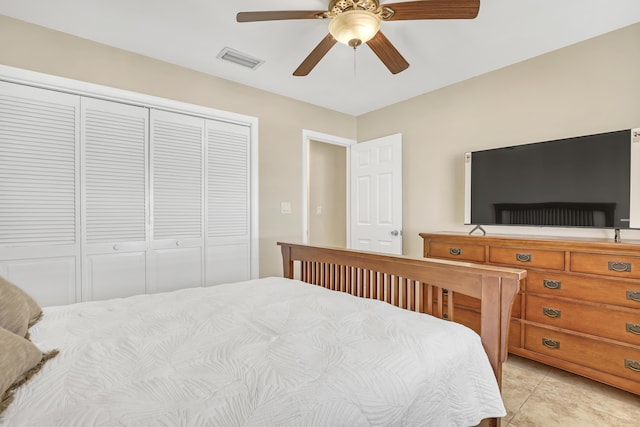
[[388, 54], [434, 9], [277, 15], [315, 56]]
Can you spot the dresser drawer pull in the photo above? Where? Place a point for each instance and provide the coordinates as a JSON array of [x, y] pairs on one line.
[[551, 312], [633, 328], [455, 251], [445, 291], [552, 284], [523, 257], [634, 365], [633, 295], [620, 267], [549, 343]]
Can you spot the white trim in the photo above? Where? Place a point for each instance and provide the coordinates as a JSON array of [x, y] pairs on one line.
[[634, 197], [307, 137], [467, 188], [255, 207], [77, 87]]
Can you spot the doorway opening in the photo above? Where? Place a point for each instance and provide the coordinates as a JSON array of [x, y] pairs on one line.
[[325, 201]]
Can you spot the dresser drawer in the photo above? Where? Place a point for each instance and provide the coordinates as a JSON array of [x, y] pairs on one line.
[[606, 264], [515, 332], [459, 252], [465, 301], [614, 359], [471, 319], [614, 324], [625, 294], [527, 258]]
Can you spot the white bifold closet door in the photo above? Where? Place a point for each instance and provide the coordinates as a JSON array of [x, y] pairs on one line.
[[114, 199], [228, 202], [39, 192], [177, 202]]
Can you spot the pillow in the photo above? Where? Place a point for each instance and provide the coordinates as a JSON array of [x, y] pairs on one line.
[[19, 360], [18, 310]]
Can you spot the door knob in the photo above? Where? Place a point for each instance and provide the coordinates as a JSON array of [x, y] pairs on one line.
[[396, 233]]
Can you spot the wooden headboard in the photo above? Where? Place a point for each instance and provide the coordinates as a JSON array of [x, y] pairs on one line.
[[414, 284]]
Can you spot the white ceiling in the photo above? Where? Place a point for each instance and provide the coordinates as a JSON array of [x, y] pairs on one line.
[[191, 33]]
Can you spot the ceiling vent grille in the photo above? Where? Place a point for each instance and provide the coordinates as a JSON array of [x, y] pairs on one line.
[[237, 57]]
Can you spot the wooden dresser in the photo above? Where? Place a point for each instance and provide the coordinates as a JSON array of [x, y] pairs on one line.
[[579, 308]]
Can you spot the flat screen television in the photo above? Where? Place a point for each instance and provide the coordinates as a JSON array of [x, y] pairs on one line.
[[586, 181]]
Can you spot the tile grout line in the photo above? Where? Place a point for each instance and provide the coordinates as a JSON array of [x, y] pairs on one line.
[[529, 396]]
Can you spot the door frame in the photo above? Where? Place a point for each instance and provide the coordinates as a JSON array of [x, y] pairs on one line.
[[307, 137]]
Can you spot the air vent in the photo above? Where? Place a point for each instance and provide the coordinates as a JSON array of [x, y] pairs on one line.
[[239, 58]]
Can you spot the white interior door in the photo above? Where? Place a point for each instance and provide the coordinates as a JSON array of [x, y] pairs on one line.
[[114, 193], [376, 195], [177, 237], [40, 192], [228, 207]]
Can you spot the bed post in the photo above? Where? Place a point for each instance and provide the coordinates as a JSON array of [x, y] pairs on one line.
[[490, 325], [497, 292], [287, 262]]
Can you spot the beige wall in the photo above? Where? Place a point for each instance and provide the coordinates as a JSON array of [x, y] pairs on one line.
[[590, 87], [327, 191], [281, 119], [586, 88]]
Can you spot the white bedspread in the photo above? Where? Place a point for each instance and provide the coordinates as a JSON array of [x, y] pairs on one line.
[[269, 352]]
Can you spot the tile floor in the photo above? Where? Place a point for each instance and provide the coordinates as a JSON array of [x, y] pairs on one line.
[[539, 395]]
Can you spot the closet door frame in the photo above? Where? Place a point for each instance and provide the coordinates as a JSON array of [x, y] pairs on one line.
[[76, 87]]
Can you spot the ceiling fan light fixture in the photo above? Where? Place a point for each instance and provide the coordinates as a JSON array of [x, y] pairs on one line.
[[354, 27]]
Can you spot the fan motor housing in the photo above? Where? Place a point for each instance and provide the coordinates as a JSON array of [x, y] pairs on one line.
[[337, 7]]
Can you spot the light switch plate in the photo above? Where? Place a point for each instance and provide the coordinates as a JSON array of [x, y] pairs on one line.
[[285, 207]]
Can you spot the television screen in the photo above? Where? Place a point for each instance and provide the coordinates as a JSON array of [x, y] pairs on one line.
[[575, 182]]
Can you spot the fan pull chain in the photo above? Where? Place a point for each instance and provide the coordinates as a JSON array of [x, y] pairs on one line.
[[354, 43], [354, 63]]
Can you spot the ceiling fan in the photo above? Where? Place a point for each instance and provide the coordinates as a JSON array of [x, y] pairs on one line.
[[354, 22]]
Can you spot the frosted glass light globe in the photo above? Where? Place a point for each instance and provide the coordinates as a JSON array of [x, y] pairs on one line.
[[354, 27]]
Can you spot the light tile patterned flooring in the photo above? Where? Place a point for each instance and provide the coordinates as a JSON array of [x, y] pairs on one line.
[[539, 395]]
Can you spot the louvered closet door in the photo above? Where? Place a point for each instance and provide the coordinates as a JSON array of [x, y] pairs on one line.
[[39, 192], [177, 245], [114, 202], [228, 203]]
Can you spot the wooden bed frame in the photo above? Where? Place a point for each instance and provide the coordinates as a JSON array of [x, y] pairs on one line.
[[416, 284]]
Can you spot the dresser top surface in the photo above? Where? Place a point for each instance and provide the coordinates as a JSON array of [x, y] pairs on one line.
[[557, 242]]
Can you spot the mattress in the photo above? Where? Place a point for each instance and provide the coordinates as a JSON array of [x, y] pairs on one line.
[[267, 352]]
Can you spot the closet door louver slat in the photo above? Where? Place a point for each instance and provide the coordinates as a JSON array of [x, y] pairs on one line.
[[115, 138], [177, 176], [38, 143], [228, 183]]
